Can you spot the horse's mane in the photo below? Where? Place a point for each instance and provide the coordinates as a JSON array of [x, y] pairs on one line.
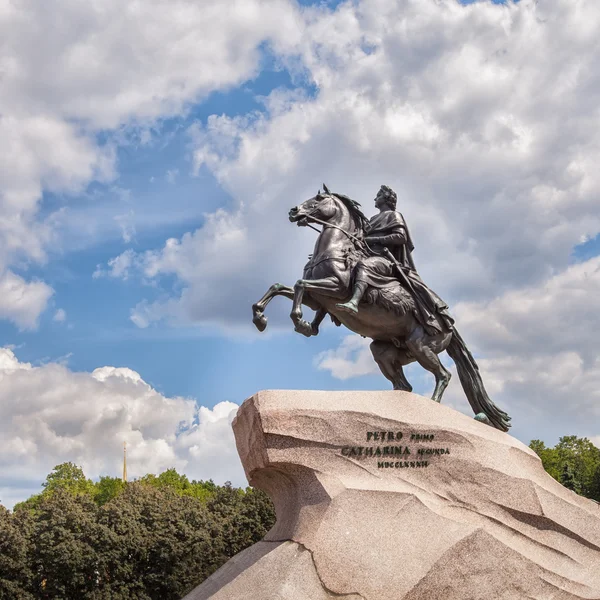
[[360, 221]]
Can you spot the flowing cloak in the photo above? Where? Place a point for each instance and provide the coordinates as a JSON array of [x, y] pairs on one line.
[[391, 229]]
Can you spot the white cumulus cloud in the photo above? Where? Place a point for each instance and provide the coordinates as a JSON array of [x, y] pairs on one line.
[[49, 415], [352, 358], [60, 316], [72, 70], [482, 117], [22, 301]]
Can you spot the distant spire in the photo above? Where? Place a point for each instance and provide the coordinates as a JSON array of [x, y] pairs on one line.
[[125, 461]]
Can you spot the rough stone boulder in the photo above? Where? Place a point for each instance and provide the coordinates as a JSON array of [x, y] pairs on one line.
[[387, 495]]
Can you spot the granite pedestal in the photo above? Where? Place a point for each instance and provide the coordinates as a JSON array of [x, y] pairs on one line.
[[388, 495]]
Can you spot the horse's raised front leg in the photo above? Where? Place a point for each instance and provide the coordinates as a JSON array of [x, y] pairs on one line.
[[258, 309], [314, 326], [331, 285]]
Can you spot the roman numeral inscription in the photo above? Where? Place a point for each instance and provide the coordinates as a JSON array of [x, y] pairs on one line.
[[397, 450]]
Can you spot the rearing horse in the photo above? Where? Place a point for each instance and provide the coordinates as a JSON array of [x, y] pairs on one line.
[[388, 318]]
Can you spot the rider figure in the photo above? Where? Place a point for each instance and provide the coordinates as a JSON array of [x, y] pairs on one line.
[[388, 230]]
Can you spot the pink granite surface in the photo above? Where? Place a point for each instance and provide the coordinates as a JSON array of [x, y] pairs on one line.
[[462, 512]]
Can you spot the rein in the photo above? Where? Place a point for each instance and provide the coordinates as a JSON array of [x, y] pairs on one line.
[[326, 224], [353, 237]]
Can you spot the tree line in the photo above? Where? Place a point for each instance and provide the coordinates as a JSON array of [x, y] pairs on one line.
[[155, 538], [160, 536], [574, 462]]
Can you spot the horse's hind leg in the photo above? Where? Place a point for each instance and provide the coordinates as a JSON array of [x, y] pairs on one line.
[[390, 361], [418, 344]]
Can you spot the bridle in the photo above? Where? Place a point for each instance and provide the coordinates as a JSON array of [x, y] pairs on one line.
[[311, 216]]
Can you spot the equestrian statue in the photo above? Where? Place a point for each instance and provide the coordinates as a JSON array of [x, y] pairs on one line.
[[362, 274]]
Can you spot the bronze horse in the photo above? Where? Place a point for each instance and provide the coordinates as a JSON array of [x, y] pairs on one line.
[[387, 317]]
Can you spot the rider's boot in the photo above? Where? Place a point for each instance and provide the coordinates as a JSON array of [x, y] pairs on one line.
[[352, 305]]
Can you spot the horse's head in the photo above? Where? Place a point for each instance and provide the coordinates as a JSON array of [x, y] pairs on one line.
[[323, 206], [328, 207]]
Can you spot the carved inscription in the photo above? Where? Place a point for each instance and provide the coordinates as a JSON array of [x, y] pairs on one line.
[[415, 452]]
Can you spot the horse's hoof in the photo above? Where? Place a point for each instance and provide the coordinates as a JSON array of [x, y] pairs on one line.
[[260, 321], [305, 328]]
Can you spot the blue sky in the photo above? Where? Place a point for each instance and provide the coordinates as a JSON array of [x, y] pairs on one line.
[[181, 166], [98, 329]]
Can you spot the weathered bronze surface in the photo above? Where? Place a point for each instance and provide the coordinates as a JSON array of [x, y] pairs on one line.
[[362, 274]]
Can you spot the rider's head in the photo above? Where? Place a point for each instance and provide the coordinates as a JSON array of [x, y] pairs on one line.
[[388, 196]]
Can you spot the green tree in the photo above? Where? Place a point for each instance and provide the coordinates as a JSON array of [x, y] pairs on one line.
[[16, 576], [595, 486], [31, 504], [68, 476], [575, 462], [108, 488], [549, 458], [163, 548], [568, 479], [245, 518], [180, 484], [256, 517], [69, 558], [156, 538]]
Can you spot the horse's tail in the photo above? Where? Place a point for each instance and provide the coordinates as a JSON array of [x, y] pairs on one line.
[[470, 379]]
